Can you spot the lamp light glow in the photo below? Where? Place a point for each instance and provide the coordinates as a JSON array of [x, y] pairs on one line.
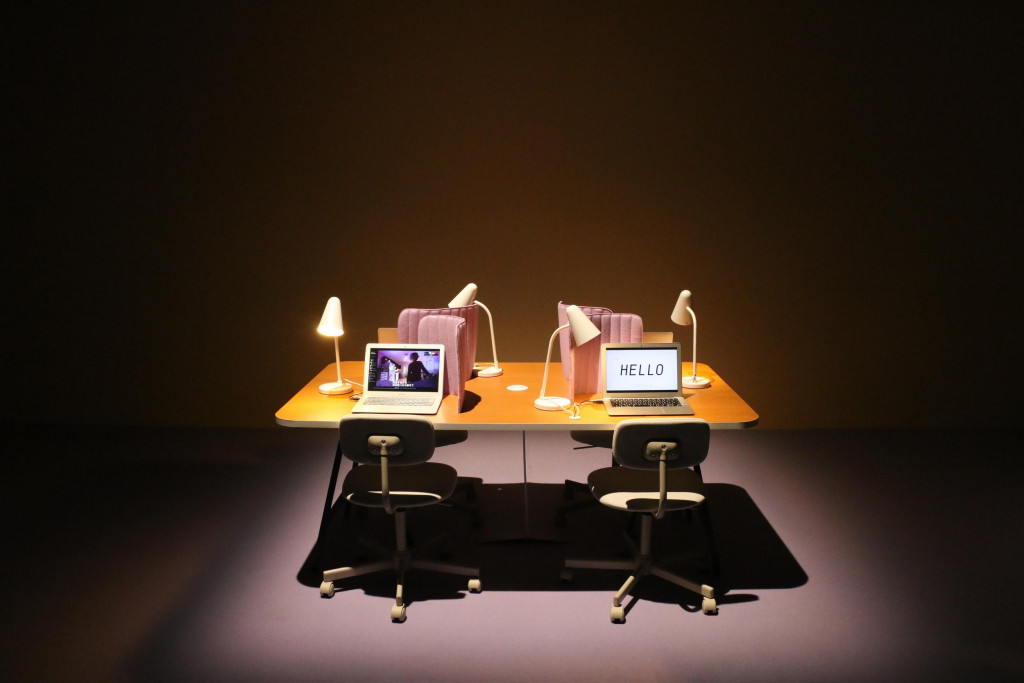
[[467, 297], [682, 314], [331, 326], [583, 330]]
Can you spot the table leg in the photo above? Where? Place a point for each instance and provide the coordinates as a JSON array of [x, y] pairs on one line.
[[526, 492], [527, 530], [329, 504]]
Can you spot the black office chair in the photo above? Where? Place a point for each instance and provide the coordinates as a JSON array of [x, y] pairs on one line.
[[442, 438], [394, 474], [603, 439], [655, 477]]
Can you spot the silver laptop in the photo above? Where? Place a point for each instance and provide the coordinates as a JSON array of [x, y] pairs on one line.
[[643, 379], [402, 378]]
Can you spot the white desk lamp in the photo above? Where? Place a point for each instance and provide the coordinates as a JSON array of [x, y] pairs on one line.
[[467, 297], [682, 314], [330, 326], [582, 331]]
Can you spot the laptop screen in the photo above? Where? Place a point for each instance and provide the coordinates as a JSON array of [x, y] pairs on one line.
[[402, 369], [641, 369]]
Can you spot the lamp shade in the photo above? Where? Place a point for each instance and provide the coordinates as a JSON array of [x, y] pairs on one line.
[[681, 313], [330, 324], [464, 298], [583, 330]]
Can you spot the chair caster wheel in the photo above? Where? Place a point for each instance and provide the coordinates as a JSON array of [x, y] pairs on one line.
[[566, 575], [618, 615], [475, 586], [327, 589], [398, 614], [709, 606]]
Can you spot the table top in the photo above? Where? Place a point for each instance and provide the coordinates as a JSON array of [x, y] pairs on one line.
[[490, 405]]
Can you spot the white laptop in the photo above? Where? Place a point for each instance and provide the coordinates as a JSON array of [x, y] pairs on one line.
[[402, 378], [643, 379]]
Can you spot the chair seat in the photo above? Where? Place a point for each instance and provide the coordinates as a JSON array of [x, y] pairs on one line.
[[449, 437], [631, 490], [411, 485], [593, 437]]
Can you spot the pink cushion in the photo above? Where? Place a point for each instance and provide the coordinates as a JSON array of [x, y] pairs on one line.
[[565, 338], [585, 361], [409, 325], [452, 332]]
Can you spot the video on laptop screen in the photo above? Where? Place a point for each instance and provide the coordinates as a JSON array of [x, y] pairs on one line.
[[399, 369], [638, 369]]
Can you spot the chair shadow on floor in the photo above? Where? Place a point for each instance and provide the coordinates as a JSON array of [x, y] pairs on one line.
[[751, 553]]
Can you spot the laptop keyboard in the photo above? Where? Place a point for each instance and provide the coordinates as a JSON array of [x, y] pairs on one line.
[[397, 401], [645, 402]]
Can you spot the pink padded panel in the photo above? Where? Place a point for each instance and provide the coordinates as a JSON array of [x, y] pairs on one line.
[[564, 339], [585, 361], [450, 331], [409, 324]]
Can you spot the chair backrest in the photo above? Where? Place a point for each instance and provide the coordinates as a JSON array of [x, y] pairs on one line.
[[387, 335], [654, 336], [450, 331], [637, 443], [408, 439]]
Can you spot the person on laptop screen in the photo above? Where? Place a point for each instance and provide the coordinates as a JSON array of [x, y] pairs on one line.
[[416, 372]]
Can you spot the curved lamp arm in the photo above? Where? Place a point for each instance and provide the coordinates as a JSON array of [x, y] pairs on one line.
[[495, 369], [547, 362], [490, 322], [583, 330], [693, 316]]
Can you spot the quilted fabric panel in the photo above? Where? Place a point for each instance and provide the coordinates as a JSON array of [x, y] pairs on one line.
[[452, 332], [409, 325], [565, 337], [585, 361]]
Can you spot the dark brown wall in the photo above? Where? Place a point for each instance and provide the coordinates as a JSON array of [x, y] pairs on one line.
[[837, 183]]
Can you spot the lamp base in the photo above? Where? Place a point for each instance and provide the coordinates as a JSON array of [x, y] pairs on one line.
[[490, 371], [696, 382], [335, 388], [551, 403]]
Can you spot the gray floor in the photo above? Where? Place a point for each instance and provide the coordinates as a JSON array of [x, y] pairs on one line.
[[161, 554]]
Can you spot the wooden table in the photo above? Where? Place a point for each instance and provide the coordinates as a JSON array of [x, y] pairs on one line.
[[490, 405]]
